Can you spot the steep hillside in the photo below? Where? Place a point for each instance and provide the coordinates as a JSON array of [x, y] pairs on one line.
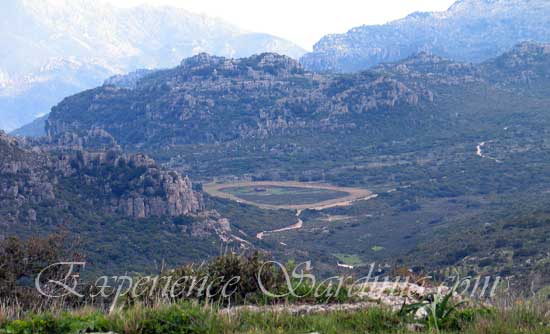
[[470, 30], [211, 99], [52, 49], [100, 195]]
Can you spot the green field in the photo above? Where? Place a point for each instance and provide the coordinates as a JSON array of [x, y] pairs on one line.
[[273, 195], [289, 195], [349, 259]]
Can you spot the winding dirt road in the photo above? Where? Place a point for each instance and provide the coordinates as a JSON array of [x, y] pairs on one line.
[[299, 224], [479, 152]]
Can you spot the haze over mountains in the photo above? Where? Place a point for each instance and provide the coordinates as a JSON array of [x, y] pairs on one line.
[[75, 51], [52, 49], [470, 30]]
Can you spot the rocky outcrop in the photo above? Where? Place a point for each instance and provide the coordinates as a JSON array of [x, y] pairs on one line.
[[256, 66], [525, 67], [435, 69], [124, 207], [470, 30], [116, 183], [23, 178], [137, 186], [178, 199], [129, 80], [211, 99], [212, 224]]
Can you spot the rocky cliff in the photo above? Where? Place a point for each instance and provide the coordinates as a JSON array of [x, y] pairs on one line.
[[141, 189], [213, 99], [470, 30], [112, 182], [126, 211]]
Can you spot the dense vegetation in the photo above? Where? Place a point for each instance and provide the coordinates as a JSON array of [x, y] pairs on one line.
[[155, 312]]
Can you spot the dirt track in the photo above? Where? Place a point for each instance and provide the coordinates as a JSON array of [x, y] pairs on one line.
[[354, 194]]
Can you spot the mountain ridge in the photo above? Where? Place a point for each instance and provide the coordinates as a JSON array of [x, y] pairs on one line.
[[212, 88], [266, 94], [470, 30]]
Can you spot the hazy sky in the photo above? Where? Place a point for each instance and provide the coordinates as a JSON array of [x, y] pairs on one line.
[[301, 21]]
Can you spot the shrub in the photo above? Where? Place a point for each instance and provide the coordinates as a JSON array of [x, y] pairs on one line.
[[21, 260]]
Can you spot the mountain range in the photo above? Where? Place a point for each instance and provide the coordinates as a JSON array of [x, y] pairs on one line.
[[470, 31], [211, 99], [448, 147], [216, 100], [52, 49], [456, 151], [76, 53]]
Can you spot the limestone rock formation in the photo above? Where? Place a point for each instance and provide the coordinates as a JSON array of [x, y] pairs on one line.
[[131, 185], [210, 99]]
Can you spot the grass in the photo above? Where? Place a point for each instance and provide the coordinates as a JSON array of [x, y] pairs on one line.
[[529, 318], [349, 259], [284, 195], [372, 321], [154, 313]]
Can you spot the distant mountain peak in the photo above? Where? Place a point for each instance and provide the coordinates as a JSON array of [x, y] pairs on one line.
[[461, 4], [531, 47], [60, 47], [470, 31]]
